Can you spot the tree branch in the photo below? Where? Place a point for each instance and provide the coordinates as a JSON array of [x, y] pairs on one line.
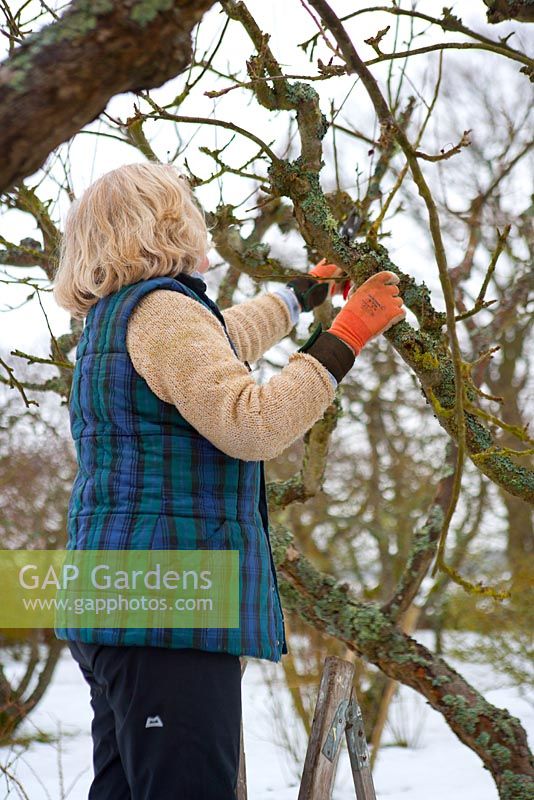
[[62, 77], [497, 737], [426, 351]]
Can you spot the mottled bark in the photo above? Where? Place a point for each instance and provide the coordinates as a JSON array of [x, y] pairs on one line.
[[497, 737], [62, 77], [500, 10]]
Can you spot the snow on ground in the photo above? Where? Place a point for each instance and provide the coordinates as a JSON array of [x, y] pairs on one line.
[[436, 765]]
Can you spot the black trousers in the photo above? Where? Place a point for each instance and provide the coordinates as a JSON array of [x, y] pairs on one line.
[[166, 722]]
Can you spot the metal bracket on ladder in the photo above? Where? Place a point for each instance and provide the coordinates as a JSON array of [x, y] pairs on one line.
[[337, 728]]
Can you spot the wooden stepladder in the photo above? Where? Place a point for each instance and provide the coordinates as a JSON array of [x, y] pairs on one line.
[[336, 713]]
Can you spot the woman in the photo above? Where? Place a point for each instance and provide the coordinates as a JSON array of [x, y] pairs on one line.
[[171, 431]]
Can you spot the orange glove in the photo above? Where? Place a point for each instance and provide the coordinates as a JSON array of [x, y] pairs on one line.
[[371, 309], [323, 271]]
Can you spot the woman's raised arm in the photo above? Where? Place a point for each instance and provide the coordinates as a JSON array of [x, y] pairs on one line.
[[181, 350]]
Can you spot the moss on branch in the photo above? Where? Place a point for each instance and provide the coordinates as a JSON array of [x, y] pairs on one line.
[[493, 733]]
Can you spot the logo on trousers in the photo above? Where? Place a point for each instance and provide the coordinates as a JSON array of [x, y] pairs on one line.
[[153, 722]]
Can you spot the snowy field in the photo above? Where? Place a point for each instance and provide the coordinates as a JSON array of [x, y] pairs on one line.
[[435, 765]]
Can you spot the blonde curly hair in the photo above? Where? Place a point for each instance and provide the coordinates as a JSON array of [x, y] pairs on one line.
[[136, 222]]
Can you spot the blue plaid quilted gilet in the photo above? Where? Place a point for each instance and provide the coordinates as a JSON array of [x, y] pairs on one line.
[[147, 479]]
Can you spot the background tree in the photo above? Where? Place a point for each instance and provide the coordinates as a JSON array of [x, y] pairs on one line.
[[36, 469], [417, 484]]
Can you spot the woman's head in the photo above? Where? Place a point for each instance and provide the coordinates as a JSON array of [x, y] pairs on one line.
[[136, 222]]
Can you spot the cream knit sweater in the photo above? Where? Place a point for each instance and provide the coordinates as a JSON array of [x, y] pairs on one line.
[[180, 348]]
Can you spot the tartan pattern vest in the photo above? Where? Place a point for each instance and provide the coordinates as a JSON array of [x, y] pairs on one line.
[[147, 479]]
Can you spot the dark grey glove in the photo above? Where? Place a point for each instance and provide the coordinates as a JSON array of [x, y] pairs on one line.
[[310, 293]]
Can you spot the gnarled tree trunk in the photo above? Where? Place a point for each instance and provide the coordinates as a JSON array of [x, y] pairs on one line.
[[62, 77]]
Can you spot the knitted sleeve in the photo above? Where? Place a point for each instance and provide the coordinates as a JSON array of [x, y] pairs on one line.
[[258, 324], [180, 348]]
